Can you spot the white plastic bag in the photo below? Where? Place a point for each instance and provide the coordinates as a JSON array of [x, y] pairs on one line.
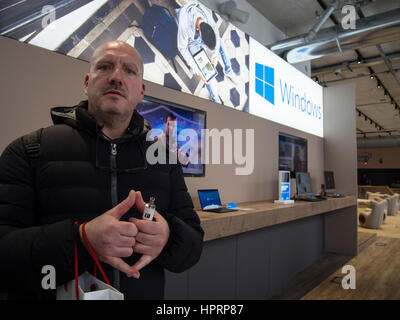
[[87, 282]]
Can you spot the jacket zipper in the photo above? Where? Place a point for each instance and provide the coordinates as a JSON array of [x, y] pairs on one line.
[[114, 199]]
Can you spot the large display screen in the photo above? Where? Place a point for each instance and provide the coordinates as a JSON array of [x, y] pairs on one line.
[[163, 31], [281, 93], [180, 129], [292, 153]]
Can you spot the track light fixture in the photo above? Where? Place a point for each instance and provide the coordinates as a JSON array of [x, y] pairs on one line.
[[371, 76], [379, 85]]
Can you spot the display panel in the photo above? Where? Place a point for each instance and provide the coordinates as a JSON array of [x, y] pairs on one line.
[[204, 64], [179, 128], [329, 181], [292, 153], [209, 199], [162, 31], [281, 93], [303, 183]]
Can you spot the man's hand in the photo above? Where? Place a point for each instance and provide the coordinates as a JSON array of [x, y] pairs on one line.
[[151, 238], [112, 239], [202, 78], [214, 59]]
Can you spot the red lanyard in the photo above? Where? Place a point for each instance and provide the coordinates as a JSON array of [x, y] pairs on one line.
[[94, 258]]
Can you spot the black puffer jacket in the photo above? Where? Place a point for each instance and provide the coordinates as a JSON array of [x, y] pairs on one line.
[[76, 179]]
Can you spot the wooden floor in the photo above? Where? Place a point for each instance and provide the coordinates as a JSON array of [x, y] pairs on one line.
[[377, 270], [318, 271], [311, 277], [377, 275]]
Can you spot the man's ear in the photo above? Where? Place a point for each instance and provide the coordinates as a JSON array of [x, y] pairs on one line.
[[86, 83], [143, 91]]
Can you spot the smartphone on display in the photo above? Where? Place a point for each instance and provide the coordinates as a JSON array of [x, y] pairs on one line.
[[206, 67]]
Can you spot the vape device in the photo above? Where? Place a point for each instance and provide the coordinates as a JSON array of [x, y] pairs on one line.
[[149, 209]]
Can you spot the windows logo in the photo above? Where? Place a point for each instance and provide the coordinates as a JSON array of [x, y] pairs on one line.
[[265, 82]]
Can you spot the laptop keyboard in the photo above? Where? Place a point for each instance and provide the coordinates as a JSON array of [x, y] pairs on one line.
[[221, 210], [311, 199]]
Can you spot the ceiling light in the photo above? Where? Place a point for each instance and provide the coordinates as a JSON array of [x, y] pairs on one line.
[[372, 76]]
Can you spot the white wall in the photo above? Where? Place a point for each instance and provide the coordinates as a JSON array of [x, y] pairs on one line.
[[340, 136]]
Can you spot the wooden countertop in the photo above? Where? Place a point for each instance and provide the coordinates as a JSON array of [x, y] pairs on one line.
[[265, 214]]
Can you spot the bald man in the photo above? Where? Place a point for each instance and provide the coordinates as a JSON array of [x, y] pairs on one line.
[[90, 169]]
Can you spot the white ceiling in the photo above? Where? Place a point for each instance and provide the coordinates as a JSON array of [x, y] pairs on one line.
[[296, 17]]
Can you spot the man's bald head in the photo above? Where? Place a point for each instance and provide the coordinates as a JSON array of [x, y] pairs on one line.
[[114, 85], [118, 45]]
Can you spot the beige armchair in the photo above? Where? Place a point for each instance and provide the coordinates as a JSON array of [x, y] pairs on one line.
[[371, 213], [377, 196], [397, 207], [392, 200]]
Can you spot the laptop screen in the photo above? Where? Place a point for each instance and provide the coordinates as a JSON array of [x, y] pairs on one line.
[[209, 199], [303, 183], [329, 181]]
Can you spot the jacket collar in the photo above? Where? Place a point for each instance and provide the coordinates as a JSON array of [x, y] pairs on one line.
[[80, 118]]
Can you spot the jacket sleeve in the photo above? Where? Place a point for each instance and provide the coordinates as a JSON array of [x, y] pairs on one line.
[[185, 244], [183, 45], [25, 245]]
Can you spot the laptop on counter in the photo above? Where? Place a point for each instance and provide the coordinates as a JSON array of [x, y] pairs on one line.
[[303, 186], [330, 185], [210, 201]]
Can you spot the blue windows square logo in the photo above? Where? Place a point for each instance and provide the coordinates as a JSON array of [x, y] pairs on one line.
[[265, 82]]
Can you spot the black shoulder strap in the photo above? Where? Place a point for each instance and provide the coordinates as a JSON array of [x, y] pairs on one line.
[[32, 145]]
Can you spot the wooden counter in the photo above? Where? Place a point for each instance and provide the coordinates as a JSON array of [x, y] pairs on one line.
[[253, 254], [265, 214]]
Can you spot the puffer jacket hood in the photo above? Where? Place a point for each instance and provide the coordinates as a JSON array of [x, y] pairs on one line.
[[79, 117]]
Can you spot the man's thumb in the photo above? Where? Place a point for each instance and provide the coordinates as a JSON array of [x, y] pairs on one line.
[[139, 202], [123, 207]]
